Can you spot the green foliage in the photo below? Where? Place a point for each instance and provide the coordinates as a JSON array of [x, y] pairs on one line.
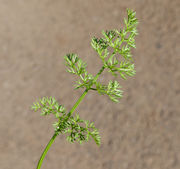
[[114, 49], [49, 106], [75, 65], [82, 130], [112, 90], [78, 130], [120, 42]]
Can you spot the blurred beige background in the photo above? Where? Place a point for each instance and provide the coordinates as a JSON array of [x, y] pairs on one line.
[[141, 132]]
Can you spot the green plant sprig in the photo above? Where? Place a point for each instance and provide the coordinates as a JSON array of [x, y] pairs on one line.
[[78, 129], [118, 62]]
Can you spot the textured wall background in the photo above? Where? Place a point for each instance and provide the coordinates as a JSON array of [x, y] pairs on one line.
[[142, 132]]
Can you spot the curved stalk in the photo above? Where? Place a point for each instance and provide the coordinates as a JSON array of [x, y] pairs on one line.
[[46, 150]]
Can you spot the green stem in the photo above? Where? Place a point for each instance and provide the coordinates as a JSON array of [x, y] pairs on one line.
[[46, 150], [71, 111], [98, 74], [78, 101]]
